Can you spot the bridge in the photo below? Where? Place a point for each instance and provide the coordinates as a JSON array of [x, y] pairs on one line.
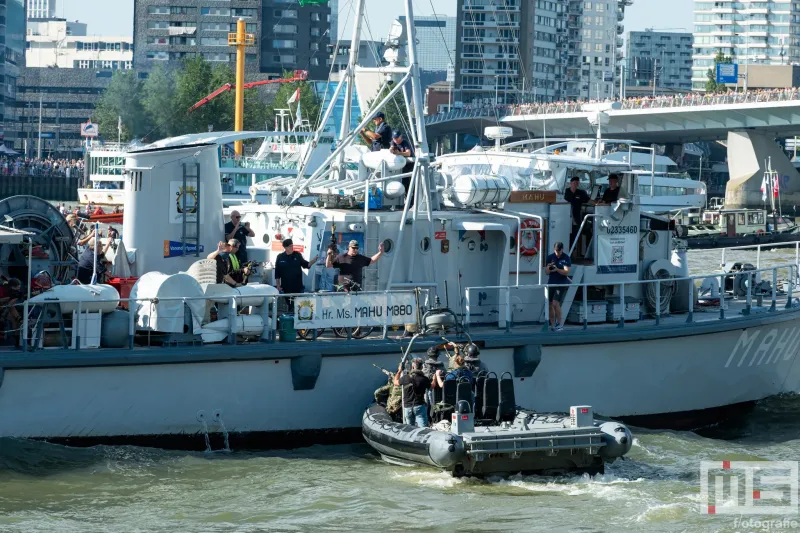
[[663, 120], [750, 122]]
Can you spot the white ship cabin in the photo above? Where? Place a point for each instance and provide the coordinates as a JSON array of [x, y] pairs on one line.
[[105, 167], [481, 249]]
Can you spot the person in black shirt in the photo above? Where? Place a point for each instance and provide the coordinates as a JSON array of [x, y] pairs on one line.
[[415, 386], [611, 194], [400, 146], [558, 268], [577, 198], [381, 138], [234, 230], [289, 267], [350, 264]]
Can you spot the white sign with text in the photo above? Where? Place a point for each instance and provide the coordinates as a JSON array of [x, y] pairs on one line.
[[343, 310]]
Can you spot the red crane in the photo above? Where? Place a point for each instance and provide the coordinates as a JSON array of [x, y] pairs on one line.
[[299, 75]]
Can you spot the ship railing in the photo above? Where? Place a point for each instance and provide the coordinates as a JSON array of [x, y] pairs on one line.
[[509, 297], [759, 247], [269, 311]]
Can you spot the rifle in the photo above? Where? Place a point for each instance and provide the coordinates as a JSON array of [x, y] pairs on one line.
[[383, 370]]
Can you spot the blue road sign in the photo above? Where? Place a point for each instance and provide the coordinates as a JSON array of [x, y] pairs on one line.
[[727, 73]]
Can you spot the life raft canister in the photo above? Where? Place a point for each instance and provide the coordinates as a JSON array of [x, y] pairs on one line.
[[529, 241]]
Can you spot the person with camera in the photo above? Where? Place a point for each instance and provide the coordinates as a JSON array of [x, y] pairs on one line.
[[558, 268], [235, 230]]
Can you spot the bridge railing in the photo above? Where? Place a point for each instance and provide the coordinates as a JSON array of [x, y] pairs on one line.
[[646, 102]]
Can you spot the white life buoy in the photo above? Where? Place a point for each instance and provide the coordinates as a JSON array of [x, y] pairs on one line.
[[529, 241]]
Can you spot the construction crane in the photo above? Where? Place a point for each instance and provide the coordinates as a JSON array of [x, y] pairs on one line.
[[299, 75]]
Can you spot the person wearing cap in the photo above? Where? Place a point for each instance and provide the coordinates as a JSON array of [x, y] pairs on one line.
[[351, 263], [611, 194], [289, 267], [400, 146], [381, 138], [577, 198], [558, 267], [235, 230], [415, 387]]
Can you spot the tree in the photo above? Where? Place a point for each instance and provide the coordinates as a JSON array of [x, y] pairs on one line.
[[711, 83], [309, 103], [122, 100], [158, 93]]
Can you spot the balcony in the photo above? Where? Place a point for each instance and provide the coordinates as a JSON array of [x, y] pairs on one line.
[[620, 29]]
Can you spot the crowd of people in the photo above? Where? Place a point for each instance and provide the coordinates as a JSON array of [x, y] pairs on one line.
[[641, 102], [47, 167]]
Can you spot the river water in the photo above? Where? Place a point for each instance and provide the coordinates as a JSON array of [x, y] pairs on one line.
[[47, 488]]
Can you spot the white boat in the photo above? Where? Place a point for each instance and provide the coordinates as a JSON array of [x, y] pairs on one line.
[[105, 168], [474, 241]]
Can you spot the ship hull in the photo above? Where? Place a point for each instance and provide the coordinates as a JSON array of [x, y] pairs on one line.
[[287, 389]]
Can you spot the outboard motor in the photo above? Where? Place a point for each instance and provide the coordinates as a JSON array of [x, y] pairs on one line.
[[463, 421]]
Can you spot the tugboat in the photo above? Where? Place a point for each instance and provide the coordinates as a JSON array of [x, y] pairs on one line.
[[482, 432]]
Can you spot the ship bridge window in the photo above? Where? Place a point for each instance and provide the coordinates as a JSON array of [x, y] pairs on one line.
[[740, 219], [755, 218]]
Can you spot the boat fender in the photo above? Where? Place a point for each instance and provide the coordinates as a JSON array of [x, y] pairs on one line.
[[445, 449], [618, 440]]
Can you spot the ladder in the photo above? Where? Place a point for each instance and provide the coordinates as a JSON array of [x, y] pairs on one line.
[[189, 204]]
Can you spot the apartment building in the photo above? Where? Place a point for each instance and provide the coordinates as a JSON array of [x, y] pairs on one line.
[[661, 60], [762, 32], [65, 44]]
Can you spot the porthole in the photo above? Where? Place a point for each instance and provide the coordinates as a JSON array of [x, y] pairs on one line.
[[388, 246], [265, 238], [425, 245]]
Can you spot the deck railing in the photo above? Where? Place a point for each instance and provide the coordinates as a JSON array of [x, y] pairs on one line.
[[274, 305], [506, 318], [658, 102]]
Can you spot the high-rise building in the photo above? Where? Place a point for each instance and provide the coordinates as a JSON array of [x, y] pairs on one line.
[[12, 49], [334, 5], [295, 37], [436, 46], [593, 48], [762, 33], [64, 44], [41, 9], [538, 50], [493, 45], [167, 31], [662, 60]]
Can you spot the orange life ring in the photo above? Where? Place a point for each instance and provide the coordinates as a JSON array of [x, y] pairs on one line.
[[760, 232], [529, 241]]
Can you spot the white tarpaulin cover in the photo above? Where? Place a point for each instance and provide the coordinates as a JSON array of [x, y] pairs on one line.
[[338, 310], [167, 315]]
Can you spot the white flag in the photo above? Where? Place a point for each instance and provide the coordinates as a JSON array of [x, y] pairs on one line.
[[299, 115], [295, 96], [764, 188]]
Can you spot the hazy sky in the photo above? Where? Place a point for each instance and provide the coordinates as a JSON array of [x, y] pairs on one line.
[[115, 17]]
